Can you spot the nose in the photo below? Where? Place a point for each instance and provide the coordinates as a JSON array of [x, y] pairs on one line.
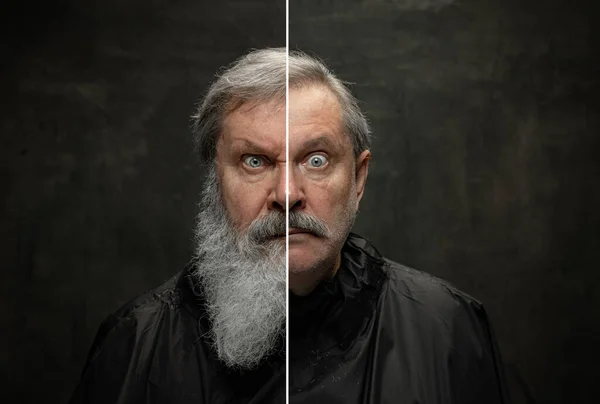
[[277, 199]]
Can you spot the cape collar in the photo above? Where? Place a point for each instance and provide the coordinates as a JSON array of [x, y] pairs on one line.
[[339, 309]]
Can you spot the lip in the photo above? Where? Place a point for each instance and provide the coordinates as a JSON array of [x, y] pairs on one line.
[[297, 231]]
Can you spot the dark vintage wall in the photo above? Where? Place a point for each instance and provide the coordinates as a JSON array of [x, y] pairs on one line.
[[485, 162], [98, 182], [484, 171]]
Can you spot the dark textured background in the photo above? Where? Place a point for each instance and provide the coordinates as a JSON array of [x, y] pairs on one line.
[[98, 181], [485, 162], [484, 169]]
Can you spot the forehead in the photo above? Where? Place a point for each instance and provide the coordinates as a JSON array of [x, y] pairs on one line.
[[314, 104], [315, 112], [260, 123]]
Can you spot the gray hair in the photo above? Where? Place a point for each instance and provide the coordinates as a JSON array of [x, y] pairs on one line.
[[260, 76]]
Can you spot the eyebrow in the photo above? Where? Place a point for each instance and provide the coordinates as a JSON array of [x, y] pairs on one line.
[[247, 145], [319, 142]]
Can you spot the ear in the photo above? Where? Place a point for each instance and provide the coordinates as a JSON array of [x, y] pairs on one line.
[[362, 170]]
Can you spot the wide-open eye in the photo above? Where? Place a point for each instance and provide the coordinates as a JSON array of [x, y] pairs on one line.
[[317, 161], [254, 161]]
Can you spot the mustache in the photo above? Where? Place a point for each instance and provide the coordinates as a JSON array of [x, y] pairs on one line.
[[273, 225]]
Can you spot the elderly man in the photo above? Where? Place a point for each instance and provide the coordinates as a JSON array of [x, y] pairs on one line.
[[362, 328]]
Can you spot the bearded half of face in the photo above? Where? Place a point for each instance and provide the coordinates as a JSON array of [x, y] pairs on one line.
[[243, 276]]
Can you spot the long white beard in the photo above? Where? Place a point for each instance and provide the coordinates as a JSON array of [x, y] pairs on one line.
[[244, 281]]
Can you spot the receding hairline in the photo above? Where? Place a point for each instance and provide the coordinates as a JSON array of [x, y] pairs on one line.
[[320, 76], [245, 106], [260, 77]]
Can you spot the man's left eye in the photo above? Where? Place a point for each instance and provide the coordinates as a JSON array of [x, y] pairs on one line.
[[317, 161], [253, 161]]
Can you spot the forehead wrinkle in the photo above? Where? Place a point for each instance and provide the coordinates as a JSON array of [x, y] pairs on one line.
[[255, 127], [250, 146], [273, 106]]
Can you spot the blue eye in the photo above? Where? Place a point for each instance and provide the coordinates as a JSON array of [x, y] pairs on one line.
[[253, 161], [317, 161]]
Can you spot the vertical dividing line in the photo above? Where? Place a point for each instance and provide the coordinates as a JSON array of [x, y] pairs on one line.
[[287, 201]]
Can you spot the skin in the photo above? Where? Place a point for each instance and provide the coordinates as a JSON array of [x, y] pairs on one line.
[[325, 180], [252, 134]]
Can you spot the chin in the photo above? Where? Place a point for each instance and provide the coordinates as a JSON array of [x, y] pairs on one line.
[[301, 260], [308, 267], [310, 256]]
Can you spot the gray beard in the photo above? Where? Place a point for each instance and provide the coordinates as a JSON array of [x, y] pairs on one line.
[[243, 276]]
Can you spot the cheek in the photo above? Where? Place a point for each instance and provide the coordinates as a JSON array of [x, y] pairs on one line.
[[243, 201], [330, 198]]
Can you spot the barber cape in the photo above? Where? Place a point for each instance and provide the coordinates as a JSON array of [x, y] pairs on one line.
[[156, 350], [378, 332]]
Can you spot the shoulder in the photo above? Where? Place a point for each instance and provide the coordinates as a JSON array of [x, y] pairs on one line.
[[136, 321], [143, 307], [435, 311], [410, 292], [427, 294], [415, 283], [122, 356]]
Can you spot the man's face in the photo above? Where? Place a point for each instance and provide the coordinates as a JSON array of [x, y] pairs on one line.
[[326, 181]]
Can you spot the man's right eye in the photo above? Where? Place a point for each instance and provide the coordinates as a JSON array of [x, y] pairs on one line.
[[254, 161]]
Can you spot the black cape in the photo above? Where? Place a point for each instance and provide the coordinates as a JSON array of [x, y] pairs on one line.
[[156, 350], [378, 332]]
